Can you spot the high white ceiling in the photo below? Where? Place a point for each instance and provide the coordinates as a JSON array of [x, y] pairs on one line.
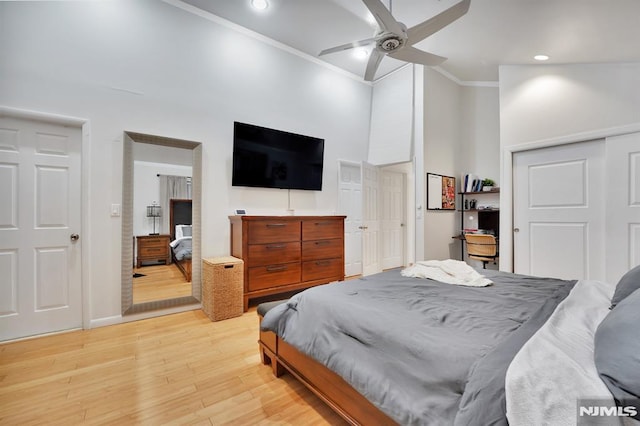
[[492, 33]]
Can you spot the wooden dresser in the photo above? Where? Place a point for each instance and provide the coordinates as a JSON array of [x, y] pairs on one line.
[[153, 248], [285, 253]]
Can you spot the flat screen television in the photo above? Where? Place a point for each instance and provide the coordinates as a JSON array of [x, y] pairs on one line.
[[269, 158]]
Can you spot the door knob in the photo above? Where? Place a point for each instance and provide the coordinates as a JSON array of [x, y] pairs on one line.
[[74, 237], [516, 229]]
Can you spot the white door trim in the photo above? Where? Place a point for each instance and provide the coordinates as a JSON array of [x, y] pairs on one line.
[[85, 192], [506, 179]]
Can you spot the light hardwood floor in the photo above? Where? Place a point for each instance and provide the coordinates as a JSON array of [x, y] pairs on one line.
[[159, 282], [176, 369]]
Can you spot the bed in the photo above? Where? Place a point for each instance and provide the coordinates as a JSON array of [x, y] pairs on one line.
[[388, 348], [180, 221]]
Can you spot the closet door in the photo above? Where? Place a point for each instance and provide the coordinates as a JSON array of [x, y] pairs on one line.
[[623, 204], [559, 211]]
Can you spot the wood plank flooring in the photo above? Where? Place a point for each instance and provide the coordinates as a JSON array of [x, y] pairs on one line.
[[177, 369], [159, 282]]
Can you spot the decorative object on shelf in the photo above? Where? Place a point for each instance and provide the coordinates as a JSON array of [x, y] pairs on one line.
[[154, 211], [473, 204], [488, 184], [466, 204], [441, 192]]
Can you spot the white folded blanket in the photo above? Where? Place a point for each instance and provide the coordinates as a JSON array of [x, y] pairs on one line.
[[447, 271], [556, 368]]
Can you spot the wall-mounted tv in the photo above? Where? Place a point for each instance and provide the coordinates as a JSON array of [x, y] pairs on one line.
[[269, 158]]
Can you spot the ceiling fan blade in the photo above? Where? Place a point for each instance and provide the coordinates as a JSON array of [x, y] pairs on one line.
[[438, 22], [417, 56], [348, 46], [372, 65], [385, 20]]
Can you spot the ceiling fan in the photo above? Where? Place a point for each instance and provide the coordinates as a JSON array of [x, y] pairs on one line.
[[396, 40]]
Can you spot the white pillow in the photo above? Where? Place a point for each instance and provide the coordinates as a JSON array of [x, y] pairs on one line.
[[183, 231]]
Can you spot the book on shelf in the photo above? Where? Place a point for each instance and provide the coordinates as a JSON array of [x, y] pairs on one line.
[[471, 183]]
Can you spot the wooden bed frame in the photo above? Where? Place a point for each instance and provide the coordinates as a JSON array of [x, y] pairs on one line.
[[180, 214], [324, 383]]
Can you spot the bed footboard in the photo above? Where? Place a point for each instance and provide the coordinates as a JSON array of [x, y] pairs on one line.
[[324, 383]]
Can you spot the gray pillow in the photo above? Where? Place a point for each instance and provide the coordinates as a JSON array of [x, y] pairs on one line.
[[617, 352], [186, 231], [627, 285]]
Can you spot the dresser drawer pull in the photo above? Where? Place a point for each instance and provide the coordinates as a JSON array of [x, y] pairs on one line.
[[323, 263], [276, 268], [322, 243], [276, 225], [328, 222], [275, 246], [154, 249]]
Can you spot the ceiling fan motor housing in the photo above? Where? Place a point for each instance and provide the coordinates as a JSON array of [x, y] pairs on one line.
[[390, 43]]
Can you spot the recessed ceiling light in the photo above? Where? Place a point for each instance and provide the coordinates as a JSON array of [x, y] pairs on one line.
[[260, 4], [541, 58]]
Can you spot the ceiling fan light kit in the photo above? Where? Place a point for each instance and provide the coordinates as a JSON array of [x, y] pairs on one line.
[[395, 40]]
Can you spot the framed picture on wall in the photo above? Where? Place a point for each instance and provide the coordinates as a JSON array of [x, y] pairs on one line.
[[441, 192]]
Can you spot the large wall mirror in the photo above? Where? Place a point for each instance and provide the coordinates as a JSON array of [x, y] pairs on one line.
[[161, 199]]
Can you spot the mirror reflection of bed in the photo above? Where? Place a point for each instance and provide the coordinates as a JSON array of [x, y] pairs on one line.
[[171, 279]]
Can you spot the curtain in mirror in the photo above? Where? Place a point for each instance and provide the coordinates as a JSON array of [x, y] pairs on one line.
[[172, 187]]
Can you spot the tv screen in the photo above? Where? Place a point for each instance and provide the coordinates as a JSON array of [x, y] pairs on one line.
[[269, 158]]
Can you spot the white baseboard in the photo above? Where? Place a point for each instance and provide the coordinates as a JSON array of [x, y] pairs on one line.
[[119, 319], [102, 322], [161, 312]]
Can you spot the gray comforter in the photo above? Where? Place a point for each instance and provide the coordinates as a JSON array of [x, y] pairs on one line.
[[424, 352], [182, 249]]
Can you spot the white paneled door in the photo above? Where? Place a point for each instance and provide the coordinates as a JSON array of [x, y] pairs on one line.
[[40, 246], [350, 202], [559, 211], [392, 218], [370, 220], [623, 203]]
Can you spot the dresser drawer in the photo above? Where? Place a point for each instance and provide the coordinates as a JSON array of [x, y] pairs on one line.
[[273, 231], [148, 251], [261, 277], [319, 269], [271, 253], [322, 249], [322, 229], [154, 242]]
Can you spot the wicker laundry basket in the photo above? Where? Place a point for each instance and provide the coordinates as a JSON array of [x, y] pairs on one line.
[[222, 287]]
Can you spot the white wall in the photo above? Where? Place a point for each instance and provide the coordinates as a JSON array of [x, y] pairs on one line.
[[550, 101], [461, 135], [146, 190], [442, 155], [392, 112], [149, 67], [480, 127], [555, 104]]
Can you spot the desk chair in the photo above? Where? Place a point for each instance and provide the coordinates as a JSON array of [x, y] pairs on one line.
[[482, 247]]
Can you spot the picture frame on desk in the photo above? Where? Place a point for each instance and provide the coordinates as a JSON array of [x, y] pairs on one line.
[[441, 192]]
